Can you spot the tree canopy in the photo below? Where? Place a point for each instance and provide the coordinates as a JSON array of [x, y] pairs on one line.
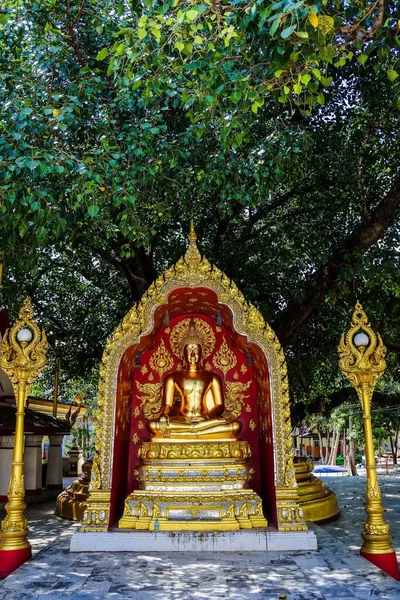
[[274, 125]]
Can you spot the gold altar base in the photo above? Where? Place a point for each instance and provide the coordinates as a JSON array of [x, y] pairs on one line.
[[192, 511], [193, 485], [318, 502]]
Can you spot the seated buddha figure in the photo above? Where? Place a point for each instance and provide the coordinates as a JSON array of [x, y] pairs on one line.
[[201, 399]]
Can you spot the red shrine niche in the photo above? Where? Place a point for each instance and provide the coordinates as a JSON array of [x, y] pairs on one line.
[[245, 376]]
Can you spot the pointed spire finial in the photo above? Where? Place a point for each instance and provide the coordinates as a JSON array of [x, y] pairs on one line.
[[192, 255], [192, 237]]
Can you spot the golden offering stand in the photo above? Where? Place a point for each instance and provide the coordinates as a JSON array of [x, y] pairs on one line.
[[71, 503], [318, 501], [362, 360]]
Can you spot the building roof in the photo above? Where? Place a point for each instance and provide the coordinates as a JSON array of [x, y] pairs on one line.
[[36, 423]]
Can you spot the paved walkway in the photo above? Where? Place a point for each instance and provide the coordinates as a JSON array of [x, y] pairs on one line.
[[334, 572]]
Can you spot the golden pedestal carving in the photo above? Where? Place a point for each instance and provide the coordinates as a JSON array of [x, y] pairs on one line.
[[97, 511], [72, 501], [193, 485], [317, 501]]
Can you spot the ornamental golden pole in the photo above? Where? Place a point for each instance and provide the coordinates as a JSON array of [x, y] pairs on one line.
[[22, 357], [362, 360]]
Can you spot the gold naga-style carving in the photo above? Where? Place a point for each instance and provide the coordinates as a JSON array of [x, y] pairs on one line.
[[194, 271], [150, 399], [234, 398]]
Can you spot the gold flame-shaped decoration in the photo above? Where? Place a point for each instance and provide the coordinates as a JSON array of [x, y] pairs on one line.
[[23, 360], [363, 363], [224, 359]]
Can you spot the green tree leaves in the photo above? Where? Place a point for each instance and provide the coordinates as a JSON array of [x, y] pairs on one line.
[[115, 132]]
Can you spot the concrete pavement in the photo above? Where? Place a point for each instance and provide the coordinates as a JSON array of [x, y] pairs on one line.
[[334, 572]]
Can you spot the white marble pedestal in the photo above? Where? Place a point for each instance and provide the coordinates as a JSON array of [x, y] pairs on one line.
[[194, 541]]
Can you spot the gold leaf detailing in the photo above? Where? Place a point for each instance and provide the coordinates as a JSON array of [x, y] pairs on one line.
[[252, 425], [140, 425], [373, 529], [127, 509], [150, 399], [224, 359], [161, 361], [135, 438], [248, 408], [136, 412], [203, 329], [244, 369], [16, 487], [151, 451], [95, 481], [11, 526], [234, 398], [373, 491], [144, 370]]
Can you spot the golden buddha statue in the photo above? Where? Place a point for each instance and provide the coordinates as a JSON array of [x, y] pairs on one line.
[[194, 473], [201, 399]]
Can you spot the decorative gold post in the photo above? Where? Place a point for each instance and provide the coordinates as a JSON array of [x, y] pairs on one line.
[[22, 357], [362, 360]]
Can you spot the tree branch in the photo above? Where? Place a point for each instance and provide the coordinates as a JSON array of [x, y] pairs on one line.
[[72, 36], [355, 30], [327, 277]]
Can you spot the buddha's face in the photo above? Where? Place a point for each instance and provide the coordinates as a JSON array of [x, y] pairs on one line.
[[192, 354]]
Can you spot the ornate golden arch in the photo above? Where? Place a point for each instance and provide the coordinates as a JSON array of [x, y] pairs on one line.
[[192, 271]]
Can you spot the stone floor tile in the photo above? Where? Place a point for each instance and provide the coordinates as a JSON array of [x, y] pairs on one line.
[[335, 571]]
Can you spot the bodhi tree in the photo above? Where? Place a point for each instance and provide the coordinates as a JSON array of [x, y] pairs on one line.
[[272, 124]]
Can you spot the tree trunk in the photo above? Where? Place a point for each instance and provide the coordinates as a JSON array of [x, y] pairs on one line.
[[351, 457], [321, 448], [335, 445], [393, 446], [328, 446]]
